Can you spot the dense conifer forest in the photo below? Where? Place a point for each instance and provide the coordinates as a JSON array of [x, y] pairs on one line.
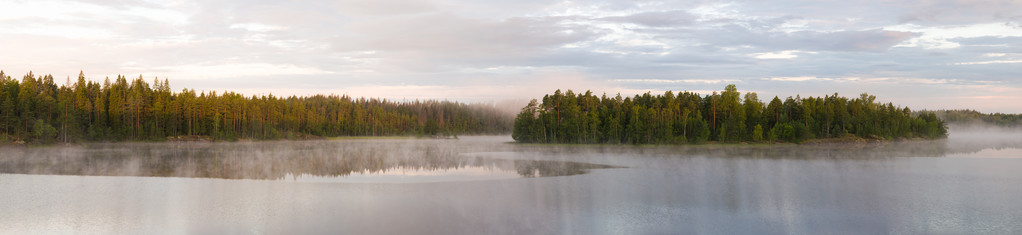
[[728, 117], [37, 110]]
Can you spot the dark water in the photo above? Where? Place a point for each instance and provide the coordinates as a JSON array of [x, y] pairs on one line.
[[482, 185]]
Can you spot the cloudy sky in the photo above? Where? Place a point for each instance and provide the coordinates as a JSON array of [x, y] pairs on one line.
[[929, 54]]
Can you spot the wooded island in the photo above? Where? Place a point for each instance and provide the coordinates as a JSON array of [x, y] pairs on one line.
[[726, 117], [36, 110]]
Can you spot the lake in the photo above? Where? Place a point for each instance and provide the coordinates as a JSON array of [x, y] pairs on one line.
[[967, 184]]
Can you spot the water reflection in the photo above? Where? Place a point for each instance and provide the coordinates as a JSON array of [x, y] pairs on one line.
[[830, 151], [892, 188], [338, 161]]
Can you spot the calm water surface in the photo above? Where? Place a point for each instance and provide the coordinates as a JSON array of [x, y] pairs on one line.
[[483, 185]]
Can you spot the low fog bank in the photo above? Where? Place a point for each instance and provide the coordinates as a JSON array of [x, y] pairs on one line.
[[512, 106], [285, 160], [975, 137]]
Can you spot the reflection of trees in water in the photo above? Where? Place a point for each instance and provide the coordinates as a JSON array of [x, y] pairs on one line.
[[838, 151], [277, 159], [266, 160], [532, 168]]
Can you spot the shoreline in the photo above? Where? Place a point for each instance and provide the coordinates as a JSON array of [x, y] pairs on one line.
[[209, 139], [839, 141]]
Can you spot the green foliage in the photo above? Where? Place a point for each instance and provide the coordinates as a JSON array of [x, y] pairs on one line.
[[723, 117], [43, 132], [37, 109], [757, 133], [783, 132], [528, 129]]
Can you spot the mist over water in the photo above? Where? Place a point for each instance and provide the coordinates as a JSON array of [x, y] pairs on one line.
[[966, 184], [373, 160], [978, 137]]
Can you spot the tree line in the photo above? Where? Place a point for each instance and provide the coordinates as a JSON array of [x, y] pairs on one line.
[[727, 116], [971, 117], [35, 109]]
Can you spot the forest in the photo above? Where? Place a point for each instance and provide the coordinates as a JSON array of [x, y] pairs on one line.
[[973, 117], [36, 110], [724, 117]]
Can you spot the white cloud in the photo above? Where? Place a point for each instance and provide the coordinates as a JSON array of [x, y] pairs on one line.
[[718, 11], [255, 27], [56, 9], [990, 62], [929, 81], [233, 70], [775, 55], [939, 37], [702, 81], [869, 80], [798, 79]]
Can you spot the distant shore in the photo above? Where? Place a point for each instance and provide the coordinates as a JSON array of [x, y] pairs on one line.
[[209, 139]]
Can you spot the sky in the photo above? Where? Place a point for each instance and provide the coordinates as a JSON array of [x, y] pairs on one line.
[[930, 54]]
